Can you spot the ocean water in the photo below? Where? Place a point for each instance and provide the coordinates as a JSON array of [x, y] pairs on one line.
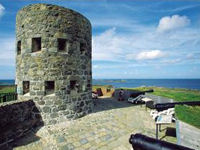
[[117, 83], [7, 82], [168, 83]]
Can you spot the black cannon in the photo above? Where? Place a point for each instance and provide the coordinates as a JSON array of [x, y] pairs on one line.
[[164, 106], [137, 93], [142, 142]]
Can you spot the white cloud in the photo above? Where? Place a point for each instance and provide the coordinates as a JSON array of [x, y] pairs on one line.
[[1, 10], [147, 55], [172, 61], [174, 22], [112, 45], [95, 66], [193, 56], [108, 45], [7, 51]]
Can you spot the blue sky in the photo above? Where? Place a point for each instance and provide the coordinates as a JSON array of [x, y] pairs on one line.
[[131, 39]]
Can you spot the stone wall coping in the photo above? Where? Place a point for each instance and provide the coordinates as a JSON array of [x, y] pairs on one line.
[[13, 102], [189, 126], [61, 8]]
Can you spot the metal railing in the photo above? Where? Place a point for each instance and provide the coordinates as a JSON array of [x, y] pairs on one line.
[[5, 97]]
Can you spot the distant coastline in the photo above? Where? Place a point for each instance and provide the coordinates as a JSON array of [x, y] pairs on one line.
[[168, 83], [131, 83], [7, 82]]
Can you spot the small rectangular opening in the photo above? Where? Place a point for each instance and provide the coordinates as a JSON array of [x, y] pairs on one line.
[[36, 44], [62, 44], [82, 48], [73, 84], [49, 87], [26, 87], [108, 90], [18, 47]]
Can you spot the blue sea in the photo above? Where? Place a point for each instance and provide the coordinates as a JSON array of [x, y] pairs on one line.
[[117, 83], [7, 82], [168, 83]]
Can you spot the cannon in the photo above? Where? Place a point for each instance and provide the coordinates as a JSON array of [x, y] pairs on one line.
[[137, 93], [142, 142], [164, 106]]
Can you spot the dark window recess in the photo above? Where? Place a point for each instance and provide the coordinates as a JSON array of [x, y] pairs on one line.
[[74, 85], [49, 87], [108, 90], [36, 44], [26, 87], [61, 44], [99, 92], [82, 48], [18, 47]]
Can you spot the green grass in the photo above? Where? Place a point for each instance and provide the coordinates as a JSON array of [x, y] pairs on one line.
[[174, 93], [189, 114], [7, 89], [4, 90]]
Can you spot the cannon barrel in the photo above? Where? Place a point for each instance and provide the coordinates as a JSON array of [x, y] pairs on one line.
[[137, 93], [164, 106], [142, 142]]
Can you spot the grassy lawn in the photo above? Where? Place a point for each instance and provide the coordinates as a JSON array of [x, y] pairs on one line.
[[174, 93], [188, 114], [4, 90], [7, 89]]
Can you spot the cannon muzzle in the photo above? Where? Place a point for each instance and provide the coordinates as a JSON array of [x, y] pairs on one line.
[[142, 142]]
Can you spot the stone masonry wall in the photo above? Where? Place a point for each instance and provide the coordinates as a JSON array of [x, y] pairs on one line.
[[17, 118], [73, 63]]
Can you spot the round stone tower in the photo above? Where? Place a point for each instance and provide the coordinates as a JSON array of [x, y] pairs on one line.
[[53, 61]]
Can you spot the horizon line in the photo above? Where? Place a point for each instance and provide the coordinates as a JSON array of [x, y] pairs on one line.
[[129, 78]]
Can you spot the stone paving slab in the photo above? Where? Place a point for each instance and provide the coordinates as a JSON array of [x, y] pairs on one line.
[[108, 127]]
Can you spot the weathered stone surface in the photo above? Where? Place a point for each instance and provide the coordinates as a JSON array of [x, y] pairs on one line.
[[50, 63], [46, 109], [54, 115], [16, 118], [109, 128]]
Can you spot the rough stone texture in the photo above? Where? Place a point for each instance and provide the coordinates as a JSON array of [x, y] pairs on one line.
[[17, 118], [108, 128], [50, 23]]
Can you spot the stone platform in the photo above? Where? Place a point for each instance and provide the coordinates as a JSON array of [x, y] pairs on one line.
[[108, 127]]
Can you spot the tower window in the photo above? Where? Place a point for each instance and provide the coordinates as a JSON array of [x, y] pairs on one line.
[[61, 44], [108, 90], [18, 47], [36, 44], [82, 47], [73, 84], [26, 87], [49, 87]]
